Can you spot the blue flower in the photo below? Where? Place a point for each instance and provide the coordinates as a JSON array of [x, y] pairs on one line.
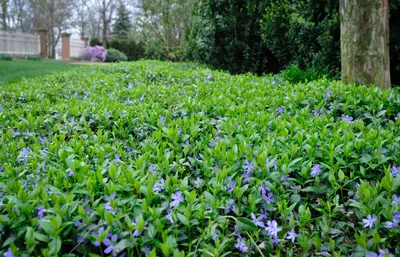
[[215, 235], [347, 118], [117, 158], [230, 206], [395, 171], [369, 221], [272, 228], [40, 212], [162, 119], [159, 186], [198, 182], [328, 94], [8, 253], [268, 198], [178, 198], [231, 186], [396, 200], [169, 217], [240, 244], [397, 116], [110, 244], [258, 220], [281, 110], [316, 170], [291, 235], [248, 166]]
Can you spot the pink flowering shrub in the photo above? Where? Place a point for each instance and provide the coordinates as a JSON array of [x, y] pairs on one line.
[[96, 53]]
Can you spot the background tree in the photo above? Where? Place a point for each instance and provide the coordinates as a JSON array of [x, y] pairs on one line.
[[365, 42], [122, 24], [105, 9], [4, 5]]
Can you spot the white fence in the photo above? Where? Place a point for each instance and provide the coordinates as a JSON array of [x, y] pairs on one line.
[[19, 43], [76, 48]]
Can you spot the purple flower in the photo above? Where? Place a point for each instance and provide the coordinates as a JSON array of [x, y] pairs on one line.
[[275, 240], [70, 173], [369, 221], [162, 119], [198, 182], [248, 166], [130, 85], [117, 158], [258, 220], [231, 185], [169, 217], [110, 244], [347, 118], [215, 235], [315, 112], [281, 110], [272, 228], [108, 204], [240, 244], [291, 235], [384, 253], [316, 170], [24, 153], [328, 94], [397, 116], [96, 53], [178, 198], [159, 186], [392, 224], [146, 250], [263, 189], [230, 206], [395, 171], [40, 212], [371, 255], [268, 198], [236, 231], [284, 178], [8, 253], [396, 200], [246, 177], [152, 169], [209, 76]]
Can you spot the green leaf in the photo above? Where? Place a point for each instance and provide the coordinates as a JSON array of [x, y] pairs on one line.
[[123, 244], [183, 219], [245, 225]]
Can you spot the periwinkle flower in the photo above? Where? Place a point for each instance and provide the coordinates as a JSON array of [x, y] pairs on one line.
[[40, 212], [392, 224], [109, 243], [8, 253], [272, 228], [215, 235], [162, 119], [152, 169], [130, 85], [284, 178], [209, 76], [396, 200], [258, 220], [108, 204], [159, 186], [281, 110], [369, 221], [248, 166], [169, 217], [395, 171], [316, 170], [275, 240], [230, 206], [70, 173], [397, 116], [146, 250], [263, 189], [241, 245], [291, 235], [315, 112], [231, 186], [347, 118], [198, 182], [328, 94], [246, 177], [141, 98], [117, 158], [268, 198], [177, 197]]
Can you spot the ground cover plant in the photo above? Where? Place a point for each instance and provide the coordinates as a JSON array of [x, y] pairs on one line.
[[169, 159]]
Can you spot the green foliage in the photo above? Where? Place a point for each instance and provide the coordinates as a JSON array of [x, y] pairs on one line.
[[113, 55], [158, 157], [34, 58], [5, 57], [133, 50], [294, 74], [227, 35], [304, 32], [95, 42], [122, 24]]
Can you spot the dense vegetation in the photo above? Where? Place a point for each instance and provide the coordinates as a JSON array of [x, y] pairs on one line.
[[265, 36], [154, 159]]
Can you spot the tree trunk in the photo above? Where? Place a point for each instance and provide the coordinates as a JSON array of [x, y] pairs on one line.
[[364, 38], [4, 14]]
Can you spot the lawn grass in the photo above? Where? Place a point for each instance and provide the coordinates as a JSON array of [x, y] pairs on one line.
[[14, 71]]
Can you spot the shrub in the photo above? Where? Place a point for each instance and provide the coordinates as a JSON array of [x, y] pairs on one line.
[[178, 160], [94, 42], [95, 53], [227, 35], [5, 57], [133, 50], [114, 55], [34, 58], [294, 74]]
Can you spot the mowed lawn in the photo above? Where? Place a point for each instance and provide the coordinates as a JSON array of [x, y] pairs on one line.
[[14, 71]]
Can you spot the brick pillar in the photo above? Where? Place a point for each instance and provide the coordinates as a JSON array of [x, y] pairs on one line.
[[85, 40], [43, 42], [65, 46]]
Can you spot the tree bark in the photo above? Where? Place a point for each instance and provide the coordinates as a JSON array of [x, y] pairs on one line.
[[364, 37], [4, 14]]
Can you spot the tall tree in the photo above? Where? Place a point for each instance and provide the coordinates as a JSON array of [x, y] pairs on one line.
[[122, 24], [364, 36], [105, 8], [4, 4]]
